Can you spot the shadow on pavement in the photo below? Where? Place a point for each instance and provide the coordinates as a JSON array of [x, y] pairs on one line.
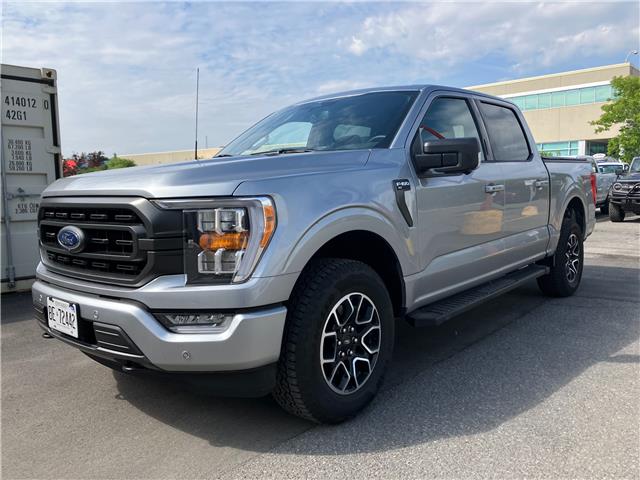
[[16, 307], [469, 376]]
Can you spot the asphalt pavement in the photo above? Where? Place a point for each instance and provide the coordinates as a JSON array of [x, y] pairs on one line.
[[524, 386]]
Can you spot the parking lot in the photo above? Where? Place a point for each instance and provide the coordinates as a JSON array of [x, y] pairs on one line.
[[523, 386]]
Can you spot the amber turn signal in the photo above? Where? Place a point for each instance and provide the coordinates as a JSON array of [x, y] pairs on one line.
[[269, 224], [228, 241]]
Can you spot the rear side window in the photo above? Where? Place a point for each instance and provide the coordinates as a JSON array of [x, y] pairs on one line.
[[505, 133]]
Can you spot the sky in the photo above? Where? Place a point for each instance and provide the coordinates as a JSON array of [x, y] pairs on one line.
[[127, 71]]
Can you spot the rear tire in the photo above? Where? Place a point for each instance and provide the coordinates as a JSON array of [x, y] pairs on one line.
[[565, 275], [616, 213], [338, 341]]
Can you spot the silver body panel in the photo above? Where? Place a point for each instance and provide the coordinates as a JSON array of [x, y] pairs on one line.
[[252, 339], [604, 182], [461, 235]]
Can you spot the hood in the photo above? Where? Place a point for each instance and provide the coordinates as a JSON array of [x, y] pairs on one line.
[[210, 178], [631, 177]]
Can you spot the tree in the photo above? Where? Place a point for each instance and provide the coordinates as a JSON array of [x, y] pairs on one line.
[[69, 167], [119, 162], [96, 159], [624, 110]]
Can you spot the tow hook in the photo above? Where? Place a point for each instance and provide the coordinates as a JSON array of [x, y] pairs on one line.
[[46, 335]]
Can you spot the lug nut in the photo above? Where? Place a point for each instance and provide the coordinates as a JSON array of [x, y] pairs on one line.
[[355, 340], [339, 343], [350, 352]]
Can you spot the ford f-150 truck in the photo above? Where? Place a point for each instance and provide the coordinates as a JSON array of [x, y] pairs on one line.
[[283, 264]]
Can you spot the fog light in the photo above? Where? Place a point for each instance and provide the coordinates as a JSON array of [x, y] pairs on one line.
[[195, 322]]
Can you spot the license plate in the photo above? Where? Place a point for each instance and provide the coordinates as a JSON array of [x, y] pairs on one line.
[[62, 316]]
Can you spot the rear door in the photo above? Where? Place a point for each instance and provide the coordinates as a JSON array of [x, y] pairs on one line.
[[526, 210]]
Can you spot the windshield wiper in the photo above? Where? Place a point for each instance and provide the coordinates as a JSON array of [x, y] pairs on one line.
[[223, 155], [284, 150]]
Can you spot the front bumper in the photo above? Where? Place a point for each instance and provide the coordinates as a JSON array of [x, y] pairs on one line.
[[252, 340], [629, 202]]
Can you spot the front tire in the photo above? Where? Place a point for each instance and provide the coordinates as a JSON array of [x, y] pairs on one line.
[[564, 278], [338, 341], [616, 213]]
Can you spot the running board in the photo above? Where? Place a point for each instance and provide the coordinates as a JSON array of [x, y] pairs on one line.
[[439, 312]]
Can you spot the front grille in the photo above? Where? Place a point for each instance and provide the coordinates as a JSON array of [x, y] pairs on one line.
[[119, 216], [632, 192], [127, 243], [111, 266], [98, 240]]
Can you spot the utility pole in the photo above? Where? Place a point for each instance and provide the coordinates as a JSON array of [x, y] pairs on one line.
[[197, 93]]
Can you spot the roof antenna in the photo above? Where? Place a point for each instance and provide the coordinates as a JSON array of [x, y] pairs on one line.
[[197, 92]]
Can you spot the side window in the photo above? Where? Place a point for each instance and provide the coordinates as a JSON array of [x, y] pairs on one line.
[[505, 133], [448, 118]]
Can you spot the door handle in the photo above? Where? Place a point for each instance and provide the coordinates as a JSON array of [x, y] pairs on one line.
[[493, 188], [541, 183]]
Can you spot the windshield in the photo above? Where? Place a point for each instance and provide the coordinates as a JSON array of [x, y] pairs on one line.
[[366, 121], [610, 168], [635, 165]]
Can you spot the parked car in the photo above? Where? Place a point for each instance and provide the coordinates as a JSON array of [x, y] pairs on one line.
[[625, 193], [282, 264], [606, 174]]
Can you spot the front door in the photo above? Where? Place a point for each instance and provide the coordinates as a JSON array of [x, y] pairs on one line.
[[460, 216]]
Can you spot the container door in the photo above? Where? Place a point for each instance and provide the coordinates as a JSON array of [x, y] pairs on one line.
[[30, 161]]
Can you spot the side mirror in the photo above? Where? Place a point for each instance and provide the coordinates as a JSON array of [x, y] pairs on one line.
[[455, 155], [619, 171]]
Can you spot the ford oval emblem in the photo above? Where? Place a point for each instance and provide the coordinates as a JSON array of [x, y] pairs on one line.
[[71, 239]]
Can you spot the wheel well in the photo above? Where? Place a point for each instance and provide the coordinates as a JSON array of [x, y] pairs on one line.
[[575, 205], [372, 249]]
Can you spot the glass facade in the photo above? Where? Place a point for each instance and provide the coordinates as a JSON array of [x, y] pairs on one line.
[[576, 96], [597, 147], [559, 149]]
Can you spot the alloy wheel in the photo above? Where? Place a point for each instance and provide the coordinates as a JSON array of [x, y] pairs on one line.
[[350, 343], [572, 255]]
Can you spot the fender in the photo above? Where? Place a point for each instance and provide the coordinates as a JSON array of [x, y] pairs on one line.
[[346, 220], [556, 217]]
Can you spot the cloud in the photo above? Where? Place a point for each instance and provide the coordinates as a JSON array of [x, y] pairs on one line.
[[126, 71], [339, 86], [527, 35]]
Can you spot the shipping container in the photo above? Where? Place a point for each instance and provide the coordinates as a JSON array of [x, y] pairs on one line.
[[31, 160]]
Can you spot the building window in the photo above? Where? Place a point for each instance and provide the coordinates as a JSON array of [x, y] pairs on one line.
[[575, 96], [559, 149], [594, 147]]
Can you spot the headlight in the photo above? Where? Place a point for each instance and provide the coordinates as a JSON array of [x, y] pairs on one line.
[[224, 238], [195, 322], [622, 187]]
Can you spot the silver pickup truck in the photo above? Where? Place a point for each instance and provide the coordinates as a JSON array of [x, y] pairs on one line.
[[283, 264], [606, 174]]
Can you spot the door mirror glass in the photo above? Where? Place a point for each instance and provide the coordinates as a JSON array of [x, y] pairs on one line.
[[454, 155], [619, 171]]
